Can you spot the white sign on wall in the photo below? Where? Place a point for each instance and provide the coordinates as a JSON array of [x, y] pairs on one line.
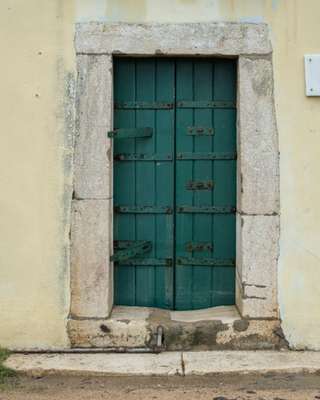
[[312, 74]]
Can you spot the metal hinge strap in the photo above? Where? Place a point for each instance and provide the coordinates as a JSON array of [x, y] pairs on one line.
[[198, 246], [154, 105], [206, 156], [134, 105], [199, 131], [152, 262], [206, 210], [130, 133], [143, 209], [143, 157], [199, 185], [209, 262], [206, 104], [136, 249]]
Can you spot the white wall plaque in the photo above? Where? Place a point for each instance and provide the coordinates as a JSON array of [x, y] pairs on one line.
[[312, 74]]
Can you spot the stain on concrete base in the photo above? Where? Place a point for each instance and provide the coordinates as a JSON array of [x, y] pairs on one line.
[[134, 327]]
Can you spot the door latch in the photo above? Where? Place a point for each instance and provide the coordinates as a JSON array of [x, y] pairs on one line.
[[131, 250], [130, 133]]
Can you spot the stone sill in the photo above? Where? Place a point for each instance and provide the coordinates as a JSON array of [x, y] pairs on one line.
[[225, 314]]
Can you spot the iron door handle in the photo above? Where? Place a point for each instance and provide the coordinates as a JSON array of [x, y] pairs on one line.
[[137, 249], [130, 133]]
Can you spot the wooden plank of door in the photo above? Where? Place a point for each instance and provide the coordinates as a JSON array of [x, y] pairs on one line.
[[153, 182], [206, 80], [124, 173], [203, 223], [184, 173], [225, 180]]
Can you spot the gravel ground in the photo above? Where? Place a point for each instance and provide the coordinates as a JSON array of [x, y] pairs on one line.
[[226, 387]]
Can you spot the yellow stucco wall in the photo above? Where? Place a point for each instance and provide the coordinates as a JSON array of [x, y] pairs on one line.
[[37, 52], [37, 69]]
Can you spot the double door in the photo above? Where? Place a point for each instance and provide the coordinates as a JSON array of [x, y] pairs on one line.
[[174, 182]]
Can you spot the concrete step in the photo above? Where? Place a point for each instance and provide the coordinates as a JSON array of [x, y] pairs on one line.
[[165, 364]]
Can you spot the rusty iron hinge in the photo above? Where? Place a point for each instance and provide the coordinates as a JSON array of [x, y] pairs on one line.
[[208, 262], [144, 105], [205, 104], [199, 131], [136, 249], [206, 209], [143, 157], [207, 156], [199, 185], [198, 246], [130, 133], [143, 209]]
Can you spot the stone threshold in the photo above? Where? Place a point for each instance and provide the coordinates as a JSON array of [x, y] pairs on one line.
[[166, 364], [217, 328]]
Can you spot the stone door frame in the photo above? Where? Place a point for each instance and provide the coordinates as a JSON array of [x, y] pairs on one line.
[[257, 146]]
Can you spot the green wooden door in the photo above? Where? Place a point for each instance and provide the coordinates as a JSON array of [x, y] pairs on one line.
[[174, 182]]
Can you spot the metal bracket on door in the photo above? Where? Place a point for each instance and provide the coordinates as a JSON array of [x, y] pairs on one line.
[[199, 131], [205, 104], [143, 209], [131, 133], [205, 262], [199, 185], [131, 250]]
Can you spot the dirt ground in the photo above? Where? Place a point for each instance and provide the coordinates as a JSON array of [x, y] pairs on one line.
[[230, 387]]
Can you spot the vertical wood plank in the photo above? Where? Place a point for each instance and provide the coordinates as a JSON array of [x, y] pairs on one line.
[[225, 178], [145, 174], [199, 286], [202, 276], [184, 172], [146, 183], [124, 172], [164, 177]]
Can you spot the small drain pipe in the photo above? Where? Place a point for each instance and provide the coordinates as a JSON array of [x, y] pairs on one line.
[[159, 344]]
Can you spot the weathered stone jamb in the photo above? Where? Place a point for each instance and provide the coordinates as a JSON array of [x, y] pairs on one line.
[[93, 161], [258, 164], [91, 229], [258, 190], [91, 275], [258, 158]]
